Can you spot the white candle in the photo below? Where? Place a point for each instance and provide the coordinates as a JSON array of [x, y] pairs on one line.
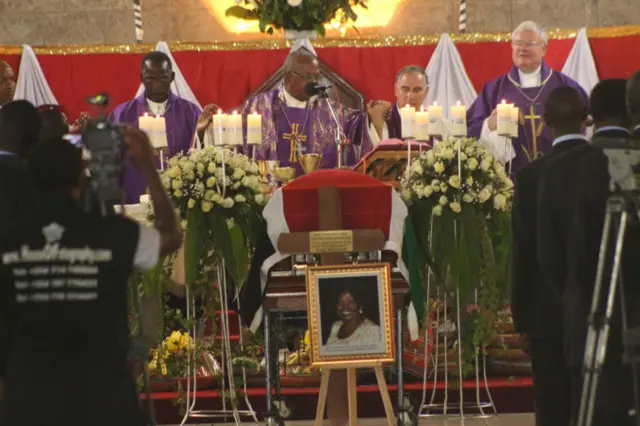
[[234, 128], [459, 120], [407, 121], [218, 128], [422, 125], [155, 128], [145, 199], [435, 120], [504, 118], [254, 129], [515, 121]]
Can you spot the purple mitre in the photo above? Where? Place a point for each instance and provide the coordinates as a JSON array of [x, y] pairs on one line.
[[181, 119]]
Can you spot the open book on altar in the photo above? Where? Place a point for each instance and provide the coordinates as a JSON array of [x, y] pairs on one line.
[[388, 160]]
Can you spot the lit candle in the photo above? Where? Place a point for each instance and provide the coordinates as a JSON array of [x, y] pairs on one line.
[[155, 128], [435, 120], [504, 118], [459, 120], [218, 128], [407, 121], [254, 129], [515, 121], [234, 128], [422, 125]]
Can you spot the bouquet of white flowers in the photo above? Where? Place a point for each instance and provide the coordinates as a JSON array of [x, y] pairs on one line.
[[219, 199], [456, 173], [459, 198]]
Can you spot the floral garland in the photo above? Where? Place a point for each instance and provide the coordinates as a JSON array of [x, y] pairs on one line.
[[459, 198], [219, 198]]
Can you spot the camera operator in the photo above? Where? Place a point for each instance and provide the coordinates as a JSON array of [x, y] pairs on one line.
[[63, 294], [615, 393]]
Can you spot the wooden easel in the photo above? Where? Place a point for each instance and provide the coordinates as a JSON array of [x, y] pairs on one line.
[[330, 219]]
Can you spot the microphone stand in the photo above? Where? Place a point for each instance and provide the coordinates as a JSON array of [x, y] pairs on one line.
[[340, 136]]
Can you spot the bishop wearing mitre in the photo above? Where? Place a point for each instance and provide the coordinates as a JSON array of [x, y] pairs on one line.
[[526, 85], [297, 122]]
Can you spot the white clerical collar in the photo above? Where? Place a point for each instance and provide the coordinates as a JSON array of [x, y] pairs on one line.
[[569, 137], [636, 128], [531, 79], [293, 102], [156, 108]]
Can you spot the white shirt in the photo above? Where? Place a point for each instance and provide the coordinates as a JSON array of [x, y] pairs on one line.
[[156, 108], [148, 249], [499, 146]]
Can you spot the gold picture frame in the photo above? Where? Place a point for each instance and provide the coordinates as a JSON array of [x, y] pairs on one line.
[[363, 292]]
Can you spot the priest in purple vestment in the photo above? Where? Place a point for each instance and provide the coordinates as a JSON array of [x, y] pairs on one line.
[[295, 123], [411, 88], [526, 85], [181, 116]]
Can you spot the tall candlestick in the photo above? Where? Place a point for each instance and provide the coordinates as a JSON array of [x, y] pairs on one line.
[[422, 125], [504, 118], [515, 121], [459, 120], [407, 121], [234, 127], [254, 129], [155, 128], [435, 119], [219, 128]]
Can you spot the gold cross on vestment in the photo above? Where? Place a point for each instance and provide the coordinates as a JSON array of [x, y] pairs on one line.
[[536, 130], [295, 138]]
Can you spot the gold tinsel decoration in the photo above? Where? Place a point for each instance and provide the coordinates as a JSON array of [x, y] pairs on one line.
[[278, 43]]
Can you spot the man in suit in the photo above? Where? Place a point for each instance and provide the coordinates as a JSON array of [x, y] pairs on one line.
[[633, 105], [19, 128], [536, 308], [557, 253]]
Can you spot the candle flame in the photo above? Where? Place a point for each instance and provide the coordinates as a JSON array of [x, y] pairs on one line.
[[235, 113], [422, 108], [219, 111], [146, 114], [457, 103], [504, 101], [435, 103]]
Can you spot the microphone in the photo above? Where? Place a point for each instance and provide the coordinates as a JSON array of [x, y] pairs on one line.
[[312, 89]]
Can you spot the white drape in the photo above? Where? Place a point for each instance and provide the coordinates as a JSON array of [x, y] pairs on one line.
[[580, 64], [448, 79], [303, 42], [32, 85], [179, 86]]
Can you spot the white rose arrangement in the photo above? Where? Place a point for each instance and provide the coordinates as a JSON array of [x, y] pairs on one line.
[[219, 199], [435, 176]]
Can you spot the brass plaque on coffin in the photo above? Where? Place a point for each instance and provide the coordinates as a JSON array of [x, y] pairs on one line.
[[330, 241]]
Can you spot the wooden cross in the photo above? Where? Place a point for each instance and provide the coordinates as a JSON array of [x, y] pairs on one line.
[[295, 138], [534, 134]]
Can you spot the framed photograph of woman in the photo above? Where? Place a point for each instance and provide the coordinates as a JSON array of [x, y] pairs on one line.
[[350, 316]]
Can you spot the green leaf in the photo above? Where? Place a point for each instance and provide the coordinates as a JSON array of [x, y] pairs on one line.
[[319, 28], [262, 24], [240, 254], [222, 241], [241, 13], [193, 245], [298, 20]]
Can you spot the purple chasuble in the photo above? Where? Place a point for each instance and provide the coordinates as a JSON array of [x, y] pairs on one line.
[[394, 123], [308, 130], [534, 139], [181, 118]]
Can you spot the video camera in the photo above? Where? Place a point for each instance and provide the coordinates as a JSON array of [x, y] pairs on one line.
[[624, 163], [105, 144]]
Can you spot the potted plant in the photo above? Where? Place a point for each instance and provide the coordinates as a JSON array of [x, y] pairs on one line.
[[297, 16]]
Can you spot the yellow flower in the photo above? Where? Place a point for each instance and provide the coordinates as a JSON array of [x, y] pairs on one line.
[[437, 211], [172, 343], [455, 207], [174, 172], [211, 168], [211, 182], [240, 198], [438, 167], [186, 342], [499, 202], [484, 195], [178, 193], [228, 203], [472, 164], [428, 190], [443, 201], [207, 206], [454, 181], [200, 167], [176, 184], [209, 195], [191, 203], [467, 198], [470, 181]]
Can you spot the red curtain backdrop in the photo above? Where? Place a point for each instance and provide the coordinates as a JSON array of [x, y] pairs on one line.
[[227, 77]]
